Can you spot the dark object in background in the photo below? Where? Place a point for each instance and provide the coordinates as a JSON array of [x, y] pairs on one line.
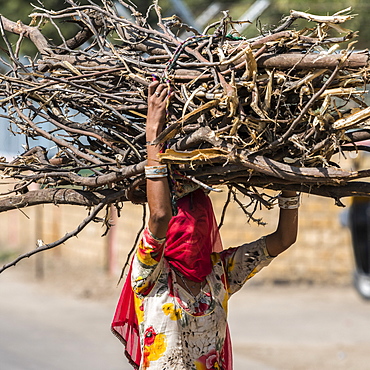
[[359, 224]]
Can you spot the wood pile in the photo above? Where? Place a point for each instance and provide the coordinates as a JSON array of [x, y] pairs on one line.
[[265, 112]]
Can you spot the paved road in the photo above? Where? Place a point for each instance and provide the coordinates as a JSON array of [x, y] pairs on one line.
[[300, 328], [40, 330], [273, 328]]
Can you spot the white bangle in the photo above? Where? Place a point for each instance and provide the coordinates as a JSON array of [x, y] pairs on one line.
[[289, 202], [161, 240], [154, 172]]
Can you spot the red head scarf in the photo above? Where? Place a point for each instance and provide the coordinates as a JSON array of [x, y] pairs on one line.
[[191, 238]]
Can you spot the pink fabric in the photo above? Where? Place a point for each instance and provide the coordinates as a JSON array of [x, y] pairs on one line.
[[191, 238], [125, 325]]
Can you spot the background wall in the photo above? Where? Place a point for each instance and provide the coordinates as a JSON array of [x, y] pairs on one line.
[[321, 255]]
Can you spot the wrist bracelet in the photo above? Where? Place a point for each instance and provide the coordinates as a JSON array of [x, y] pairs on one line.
[[289, 202], [162, 240], [153, 172], [150, 143]]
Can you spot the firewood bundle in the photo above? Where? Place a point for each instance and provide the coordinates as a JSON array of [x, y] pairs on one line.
[[265, 112]]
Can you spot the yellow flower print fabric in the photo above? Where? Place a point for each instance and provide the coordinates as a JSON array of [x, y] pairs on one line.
[[180, 331], [172, 312]]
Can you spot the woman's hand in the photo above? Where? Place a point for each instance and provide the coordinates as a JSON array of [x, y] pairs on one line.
[[158, 98]]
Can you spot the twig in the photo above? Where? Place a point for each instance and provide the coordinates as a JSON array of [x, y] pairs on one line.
[[227, 202], [43, 247], [296, 121]]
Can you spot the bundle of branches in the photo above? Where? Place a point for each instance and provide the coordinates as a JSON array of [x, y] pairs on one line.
[[265, 112]]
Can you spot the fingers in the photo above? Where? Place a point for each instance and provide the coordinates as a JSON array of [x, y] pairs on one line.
[[152, 87], [158, 90]]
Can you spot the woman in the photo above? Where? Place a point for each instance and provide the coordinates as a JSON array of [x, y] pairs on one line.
[[172, 313]]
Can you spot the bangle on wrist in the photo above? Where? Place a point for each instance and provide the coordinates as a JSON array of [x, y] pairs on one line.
[[289, 202], [154, 172], [150, 143]]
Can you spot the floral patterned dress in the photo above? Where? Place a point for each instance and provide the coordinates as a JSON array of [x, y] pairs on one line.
[[179, 331]]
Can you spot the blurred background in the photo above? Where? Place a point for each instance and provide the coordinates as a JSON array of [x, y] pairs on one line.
[[302, 312]]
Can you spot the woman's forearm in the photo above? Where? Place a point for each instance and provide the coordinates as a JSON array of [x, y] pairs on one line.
[[286, 231], [159, 200], [158, 192]]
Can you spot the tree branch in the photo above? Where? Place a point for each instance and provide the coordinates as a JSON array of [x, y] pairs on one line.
[[43, 247]]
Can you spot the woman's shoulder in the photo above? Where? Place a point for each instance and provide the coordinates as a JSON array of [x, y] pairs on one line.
[[258, 246]]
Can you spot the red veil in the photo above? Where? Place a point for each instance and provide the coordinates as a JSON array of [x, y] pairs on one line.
[[191, 238]]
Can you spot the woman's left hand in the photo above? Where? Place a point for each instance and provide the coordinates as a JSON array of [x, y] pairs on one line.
[[158, 192], [158, 97]]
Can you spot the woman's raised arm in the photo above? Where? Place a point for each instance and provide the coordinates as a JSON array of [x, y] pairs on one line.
[[158, 192], [286, 232]]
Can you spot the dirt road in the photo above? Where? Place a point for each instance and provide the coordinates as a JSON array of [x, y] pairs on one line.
[[45, 330], [273, 328]]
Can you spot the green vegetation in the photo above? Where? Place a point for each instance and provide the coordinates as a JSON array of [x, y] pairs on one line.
[[280, 8], [20, 9]]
